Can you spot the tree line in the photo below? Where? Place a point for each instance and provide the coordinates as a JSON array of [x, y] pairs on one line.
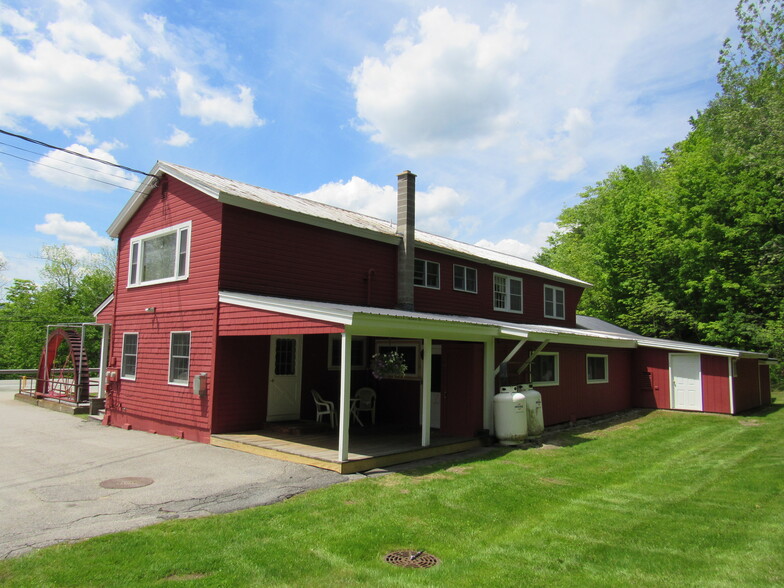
[[691, 247]]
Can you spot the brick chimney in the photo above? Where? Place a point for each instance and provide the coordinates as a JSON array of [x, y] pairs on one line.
[[406, 195]]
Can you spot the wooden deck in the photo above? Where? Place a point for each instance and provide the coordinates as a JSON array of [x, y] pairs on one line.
[[367, 449]]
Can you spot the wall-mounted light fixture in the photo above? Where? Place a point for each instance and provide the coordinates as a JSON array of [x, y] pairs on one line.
[[149, 309]]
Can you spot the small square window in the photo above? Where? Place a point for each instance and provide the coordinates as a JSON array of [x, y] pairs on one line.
[[358, 352], [427, 273], [554, 306], [507, 293], [596, 369], [464, 279], [544, 369], [179, 358]]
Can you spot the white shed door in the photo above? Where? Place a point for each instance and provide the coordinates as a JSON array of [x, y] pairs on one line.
[[283, 396], [686, 383]]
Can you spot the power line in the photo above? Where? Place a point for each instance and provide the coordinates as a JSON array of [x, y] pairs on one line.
[[76, 153]]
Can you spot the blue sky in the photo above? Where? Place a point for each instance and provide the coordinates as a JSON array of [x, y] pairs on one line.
[[504, 110]]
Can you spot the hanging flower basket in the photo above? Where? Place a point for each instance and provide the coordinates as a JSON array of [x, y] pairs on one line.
[[391, 364]]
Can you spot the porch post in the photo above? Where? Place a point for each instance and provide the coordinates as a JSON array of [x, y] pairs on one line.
[[427, 361], [344, 414], [489, 385], [105, 332]]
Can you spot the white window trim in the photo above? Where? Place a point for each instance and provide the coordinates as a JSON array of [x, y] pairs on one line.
[[190, 344], [135, 258], [555, 304], [606, 368], [122, 358], [465, 280], [428, 262], [398, 343], [507, 308], [557, 367], [333, 363]]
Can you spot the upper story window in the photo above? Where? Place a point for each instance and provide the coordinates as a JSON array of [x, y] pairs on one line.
[[554, 306], [545, 369], [161, 256], [507, 293], [464, 279], [427, 273]]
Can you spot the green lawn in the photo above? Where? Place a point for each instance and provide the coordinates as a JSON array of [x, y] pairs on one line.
[[659, 499]]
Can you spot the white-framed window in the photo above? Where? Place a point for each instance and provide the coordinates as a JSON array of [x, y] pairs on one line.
[[179, 357], [160, 256], [358, 352], [130, 353], [427, 273], [544, 369], [554, 302], [507, 293], [464, 279], [411, 350], [596, 369]]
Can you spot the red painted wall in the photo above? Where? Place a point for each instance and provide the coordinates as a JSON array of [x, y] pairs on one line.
[[652, 371], [574, 398], [239, 320], [150, 403], [447, 300], [715, 384], [747, 385], [278, 257], [461, 388], [764, 372], [240, 391]]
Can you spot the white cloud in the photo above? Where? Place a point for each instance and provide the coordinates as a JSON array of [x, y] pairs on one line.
[[534, 238], [179, 138], [444, 84], [437, 209], [76, 234], [213, 105], [77, 173], [45, 77]]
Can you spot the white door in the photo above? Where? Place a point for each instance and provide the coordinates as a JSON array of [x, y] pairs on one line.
[[283, 396], [685, 381]]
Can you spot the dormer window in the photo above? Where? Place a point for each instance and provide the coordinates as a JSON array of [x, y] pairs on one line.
[[161, 256]]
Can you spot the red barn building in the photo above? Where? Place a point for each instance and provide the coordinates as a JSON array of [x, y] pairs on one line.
[[234, 302]]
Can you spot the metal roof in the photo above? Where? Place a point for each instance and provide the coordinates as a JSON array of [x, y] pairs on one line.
[[304, 210]]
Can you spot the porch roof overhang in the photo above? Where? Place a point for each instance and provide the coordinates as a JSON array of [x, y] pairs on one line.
[[390, 322], [678, 346]]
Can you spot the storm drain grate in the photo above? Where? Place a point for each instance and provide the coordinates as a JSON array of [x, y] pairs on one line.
[[126, 483], [411, 559]]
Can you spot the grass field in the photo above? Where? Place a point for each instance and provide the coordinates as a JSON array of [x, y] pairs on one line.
[[655, 499]]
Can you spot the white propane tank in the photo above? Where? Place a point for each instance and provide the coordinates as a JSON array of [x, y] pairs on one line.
[[534, 415], [510, 411]]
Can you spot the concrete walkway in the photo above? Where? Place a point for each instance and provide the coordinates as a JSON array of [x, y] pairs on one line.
[[52, 466]]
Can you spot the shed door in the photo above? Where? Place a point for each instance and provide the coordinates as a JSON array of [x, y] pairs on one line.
[[685, 381], [283, 398]]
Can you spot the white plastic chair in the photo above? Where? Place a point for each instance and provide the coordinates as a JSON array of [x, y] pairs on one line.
[[366, 402], [324, 407]]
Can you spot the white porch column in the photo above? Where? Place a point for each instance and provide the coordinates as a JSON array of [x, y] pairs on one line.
[[489, 385], [105, 340], [427, 361], [344, 410]]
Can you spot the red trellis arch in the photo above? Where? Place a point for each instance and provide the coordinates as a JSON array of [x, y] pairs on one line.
[[70, 381]]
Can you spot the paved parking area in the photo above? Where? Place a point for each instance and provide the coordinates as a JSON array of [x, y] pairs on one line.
[[52, 466]]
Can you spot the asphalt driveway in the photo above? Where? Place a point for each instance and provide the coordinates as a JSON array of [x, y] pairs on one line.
[[52, 467]]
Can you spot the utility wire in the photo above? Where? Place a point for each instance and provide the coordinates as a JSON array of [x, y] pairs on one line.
[[46, 155], [47, 145]]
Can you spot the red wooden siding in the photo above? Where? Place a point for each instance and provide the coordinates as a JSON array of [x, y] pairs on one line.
[[748, 393], [715, 384], [278, 257], [764, 372], [574, 398], [239, 320], [150, 403], [240, 393], [461, 388], [652, 370], [447, 300]]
